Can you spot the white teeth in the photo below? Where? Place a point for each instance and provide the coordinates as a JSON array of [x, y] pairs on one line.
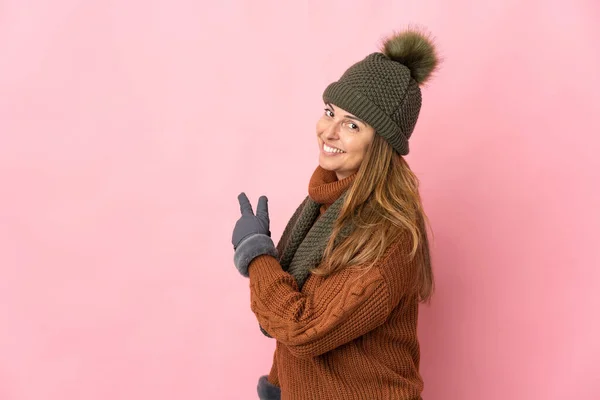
[[331, 149]]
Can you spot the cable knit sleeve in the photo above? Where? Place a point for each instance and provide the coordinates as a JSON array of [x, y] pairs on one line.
[[342, 307]]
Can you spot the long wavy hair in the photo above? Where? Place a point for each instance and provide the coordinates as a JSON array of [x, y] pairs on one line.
[[384, 205]]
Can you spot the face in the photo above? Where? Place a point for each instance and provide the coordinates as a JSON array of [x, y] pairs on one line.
[[343, 141]]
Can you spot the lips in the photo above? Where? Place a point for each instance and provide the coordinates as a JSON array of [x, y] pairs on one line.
[[331, 149]]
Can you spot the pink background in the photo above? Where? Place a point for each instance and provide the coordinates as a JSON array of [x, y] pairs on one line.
[[128, 128]]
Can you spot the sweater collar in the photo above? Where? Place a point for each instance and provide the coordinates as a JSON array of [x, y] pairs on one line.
[[324, 187]]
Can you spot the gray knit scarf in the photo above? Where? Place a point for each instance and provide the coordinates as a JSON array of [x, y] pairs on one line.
[[305, 237]]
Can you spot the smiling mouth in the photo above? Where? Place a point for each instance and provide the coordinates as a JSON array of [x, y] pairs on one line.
[[331, 150]]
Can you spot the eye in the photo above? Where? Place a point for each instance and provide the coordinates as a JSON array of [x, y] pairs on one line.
[[328, 112], [352, 126]]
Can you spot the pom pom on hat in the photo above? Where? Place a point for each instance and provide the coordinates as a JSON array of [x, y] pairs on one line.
[[414, 50]]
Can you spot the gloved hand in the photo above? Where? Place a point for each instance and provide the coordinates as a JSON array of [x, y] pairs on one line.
[[266, 390], [250, 224], [251, 235]]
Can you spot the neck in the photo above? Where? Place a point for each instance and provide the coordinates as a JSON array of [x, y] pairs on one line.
[[342, 175], [325, 186]]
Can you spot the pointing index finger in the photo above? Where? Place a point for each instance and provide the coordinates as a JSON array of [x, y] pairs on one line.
[[245, 206]]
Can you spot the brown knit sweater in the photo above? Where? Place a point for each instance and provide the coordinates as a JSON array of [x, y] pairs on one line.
[[347, 336]]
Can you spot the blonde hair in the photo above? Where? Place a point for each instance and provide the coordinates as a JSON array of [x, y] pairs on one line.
[[384, 205]]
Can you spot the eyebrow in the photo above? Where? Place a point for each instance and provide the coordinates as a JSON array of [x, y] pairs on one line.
[[349, 116]]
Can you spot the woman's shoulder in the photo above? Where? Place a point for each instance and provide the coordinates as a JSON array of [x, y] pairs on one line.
[[398, 264], [397, 248], [395, 262]]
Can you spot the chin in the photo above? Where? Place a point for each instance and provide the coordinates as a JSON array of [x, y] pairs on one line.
[[326, 163], [325, 166]]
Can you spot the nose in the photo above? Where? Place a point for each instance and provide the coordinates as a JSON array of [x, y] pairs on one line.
[[330, 131]]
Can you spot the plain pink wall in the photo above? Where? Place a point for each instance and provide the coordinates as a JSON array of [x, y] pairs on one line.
[[127, 129]]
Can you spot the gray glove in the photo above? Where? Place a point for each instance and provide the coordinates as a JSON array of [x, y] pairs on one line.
[[251, 235], [266, 390]]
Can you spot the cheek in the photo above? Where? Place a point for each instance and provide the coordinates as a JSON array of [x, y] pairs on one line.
[[321, 125], [365, 148], [357, 147], [366, 141]]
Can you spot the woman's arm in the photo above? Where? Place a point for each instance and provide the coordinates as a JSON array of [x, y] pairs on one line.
[[343, 307]]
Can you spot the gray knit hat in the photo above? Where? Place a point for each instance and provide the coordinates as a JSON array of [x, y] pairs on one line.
[[383, 88]]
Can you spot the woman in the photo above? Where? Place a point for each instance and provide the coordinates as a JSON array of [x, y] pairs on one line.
[[340, 292]]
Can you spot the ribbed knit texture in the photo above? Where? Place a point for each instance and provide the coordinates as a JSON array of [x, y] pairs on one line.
[[324, 187], [382, 93], [351, 335], [306, 235], [303, 241]]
